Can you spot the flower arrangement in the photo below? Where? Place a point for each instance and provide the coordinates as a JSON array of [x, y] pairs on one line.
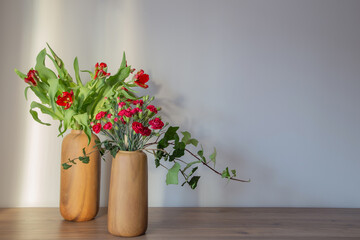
[[71, 102], [107, 104]]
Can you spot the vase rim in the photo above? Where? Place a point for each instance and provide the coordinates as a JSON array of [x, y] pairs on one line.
[[76, 131], [125, 151]]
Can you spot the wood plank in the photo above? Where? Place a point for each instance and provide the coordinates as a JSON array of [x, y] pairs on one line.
[[191, 223]]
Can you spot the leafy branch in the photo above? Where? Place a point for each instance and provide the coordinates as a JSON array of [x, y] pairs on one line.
[[84, 159]]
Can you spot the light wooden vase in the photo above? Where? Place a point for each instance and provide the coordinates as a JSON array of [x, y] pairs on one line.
[[128, 194], [80, 184]]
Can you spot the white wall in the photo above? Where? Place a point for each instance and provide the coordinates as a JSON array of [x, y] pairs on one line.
[[274, 85]]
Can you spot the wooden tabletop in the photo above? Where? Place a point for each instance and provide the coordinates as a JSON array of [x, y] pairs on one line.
[[191, 223]]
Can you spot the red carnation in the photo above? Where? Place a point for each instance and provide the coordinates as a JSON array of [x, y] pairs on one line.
[[100, 115], [121, 104], [141, 79], [152, 108], [145, 131], [108, 126], [140, 102], [32, 77], [156, 123], [65, 99], [135, 111], [96, 128], [137, 127]]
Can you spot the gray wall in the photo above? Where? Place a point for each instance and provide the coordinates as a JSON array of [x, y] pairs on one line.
[[274, 85]]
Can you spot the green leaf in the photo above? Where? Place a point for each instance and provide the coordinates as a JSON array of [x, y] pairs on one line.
[[213, 157], [20, 74], [233, 172], [225, 173], [201, 154], [192, 171], [83, 150], [83, 120], [186, 137], [55, 115], [172, 175], [123, 61], [44, 72], [179, 151], [66, 166], [77, 75], [53, 88], [193, 182], [157, 162], [84, 159], [194, 142], [190, 164], [35, 116], [25, 92], [119, 77], [41, 94], [68, 114]]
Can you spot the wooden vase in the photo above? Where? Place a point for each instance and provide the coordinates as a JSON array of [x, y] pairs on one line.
[[128, 194], [80, 184]]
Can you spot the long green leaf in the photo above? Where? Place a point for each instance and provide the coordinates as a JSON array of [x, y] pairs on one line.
[[77, 75], [20, 74], [44, 72], [53, 89], [83, 120], [46, 110], [35, 116]]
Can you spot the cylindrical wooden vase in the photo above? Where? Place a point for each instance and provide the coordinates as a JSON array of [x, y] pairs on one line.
[[128, 194], [80, 184]]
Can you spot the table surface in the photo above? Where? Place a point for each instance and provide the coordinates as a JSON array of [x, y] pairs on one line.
[[191, 223]]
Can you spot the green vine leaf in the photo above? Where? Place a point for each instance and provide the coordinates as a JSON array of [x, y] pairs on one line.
[[193, 182], [213, 157], [225, 173], [66, 166], [172, 175], [201, 155]]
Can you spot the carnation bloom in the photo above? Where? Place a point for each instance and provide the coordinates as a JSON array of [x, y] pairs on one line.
[[108, 126], [135, 111], [156, 123], [152, 108], [121, 104], [140, 102], [109, 115], [137, 127], [145, 131], [141, 79], [100, 115], [65, 99], [125, 112], [32, 78], [96, 128]]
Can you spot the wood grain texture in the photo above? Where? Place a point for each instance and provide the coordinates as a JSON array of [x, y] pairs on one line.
[[191, 223], [128, 194], [80, 184]]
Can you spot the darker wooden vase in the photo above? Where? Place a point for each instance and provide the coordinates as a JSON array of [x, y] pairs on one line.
[[80, 184], [128, 194]]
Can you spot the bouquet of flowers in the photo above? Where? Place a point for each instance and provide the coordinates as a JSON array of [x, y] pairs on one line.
[[133, 125], [71, 102]]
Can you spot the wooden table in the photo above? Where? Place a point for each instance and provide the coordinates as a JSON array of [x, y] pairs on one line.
[[191, 223]]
